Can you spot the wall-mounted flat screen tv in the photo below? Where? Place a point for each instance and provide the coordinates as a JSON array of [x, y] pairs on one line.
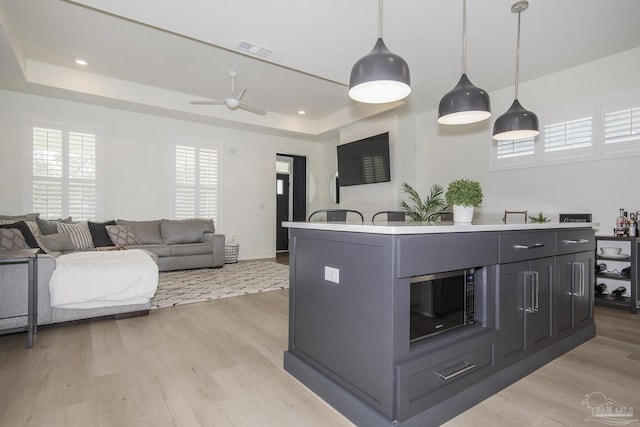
[[365, 161]]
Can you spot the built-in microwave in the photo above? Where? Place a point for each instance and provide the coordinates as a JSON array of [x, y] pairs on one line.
[[441, 302]]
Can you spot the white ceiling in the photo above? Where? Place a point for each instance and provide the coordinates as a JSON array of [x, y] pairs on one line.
[[157, 55]]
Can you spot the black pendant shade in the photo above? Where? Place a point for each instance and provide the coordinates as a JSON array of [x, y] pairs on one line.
[[379, 77], [516, 123], [464, 104]]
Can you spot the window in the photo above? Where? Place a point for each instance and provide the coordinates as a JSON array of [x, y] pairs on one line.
[[63, 181], [599, 129], [196, 183]]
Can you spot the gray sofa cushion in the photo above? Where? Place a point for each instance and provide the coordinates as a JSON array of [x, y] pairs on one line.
[[147, 231], [25, 217], [185, 231], [159, 250], [188, 249]]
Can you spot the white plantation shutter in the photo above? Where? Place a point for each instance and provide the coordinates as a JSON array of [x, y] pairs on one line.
[[196, 183], [515, 148], [568, 135], [63, 173], [622, 126], [82, 175]]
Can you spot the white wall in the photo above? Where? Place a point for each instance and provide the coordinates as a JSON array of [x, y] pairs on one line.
[[600, 187], [137, 167], [371, 198]]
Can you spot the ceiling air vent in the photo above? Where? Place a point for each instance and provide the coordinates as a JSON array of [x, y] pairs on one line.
[[253, 49]]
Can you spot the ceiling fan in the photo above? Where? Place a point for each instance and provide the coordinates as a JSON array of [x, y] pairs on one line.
[[233, 102]]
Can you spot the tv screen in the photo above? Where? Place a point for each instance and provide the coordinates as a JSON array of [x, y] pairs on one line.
[[365, 161]]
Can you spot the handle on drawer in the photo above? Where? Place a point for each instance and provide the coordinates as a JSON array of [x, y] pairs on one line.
[[535, 245], [468, 366], [574, 242]]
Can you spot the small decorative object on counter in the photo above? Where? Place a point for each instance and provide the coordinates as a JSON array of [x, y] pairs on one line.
[[539, 219], [464, 195]]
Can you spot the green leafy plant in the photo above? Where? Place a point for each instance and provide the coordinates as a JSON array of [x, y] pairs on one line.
[[539, 219], [464, 192], [428, 209]]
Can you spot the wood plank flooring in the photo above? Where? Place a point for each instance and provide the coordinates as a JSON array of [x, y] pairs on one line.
[[220, 364]]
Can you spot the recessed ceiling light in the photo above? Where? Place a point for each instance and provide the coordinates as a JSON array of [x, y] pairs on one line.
[[81, 62], [302, 112]]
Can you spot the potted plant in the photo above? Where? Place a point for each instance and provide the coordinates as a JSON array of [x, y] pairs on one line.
[[464, 195], [424, 210]]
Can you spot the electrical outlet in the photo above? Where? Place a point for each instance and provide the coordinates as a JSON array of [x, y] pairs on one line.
[[331, 274]]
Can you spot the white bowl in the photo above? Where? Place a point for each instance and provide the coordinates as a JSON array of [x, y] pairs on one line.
[[611, 251]]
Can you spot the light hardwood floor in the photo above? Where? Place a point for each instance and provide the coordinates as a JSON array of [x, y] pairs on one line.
[[220, 364]]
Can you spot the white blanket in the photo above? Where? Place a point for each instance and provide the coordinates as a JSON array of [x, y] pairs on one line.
[[103, 279]]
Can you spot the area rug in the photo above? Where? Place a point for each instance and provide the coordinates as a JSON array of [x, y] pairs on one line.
[[208, 284]]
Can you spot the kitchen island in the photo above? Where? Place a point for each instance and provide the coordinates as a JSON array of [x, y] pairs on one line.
[[358, 341]]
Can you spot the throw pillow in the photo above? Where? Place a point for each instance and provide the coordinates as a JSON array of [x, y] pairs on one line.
[[99, 233], [58, 242], [24, 229], [12, 239], [122, 235], [80, 234], [49, 226]]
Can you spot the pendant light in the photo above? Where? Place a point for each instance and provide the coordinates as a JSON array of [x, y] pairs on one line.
[[380, 76], [465, 103], [517, 122]]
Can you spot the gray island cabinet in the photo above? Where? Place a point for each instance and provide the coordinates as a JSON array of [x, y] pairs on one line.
[[352, 316]]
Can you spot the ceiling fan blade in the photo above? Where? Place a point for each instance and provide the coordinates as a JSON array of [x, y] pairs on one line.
[[241, 94], [212, 102], [252, 109]]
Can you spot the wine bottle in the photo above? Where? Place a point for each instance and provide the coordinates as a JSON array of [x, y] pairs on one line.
[[619, 291]]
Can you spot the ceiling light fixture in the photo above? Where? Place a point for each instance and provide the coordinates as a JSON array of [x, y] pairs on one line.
[[302, 112], [380, 76], [81, 62], [517, 122], [465, 103]]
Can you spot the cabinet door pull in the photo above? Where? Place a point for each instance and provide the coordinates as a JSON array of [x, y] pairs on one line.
[[578, 284], [535, 245], [536, 294], [531, 276], [468, 366], [574, 242]]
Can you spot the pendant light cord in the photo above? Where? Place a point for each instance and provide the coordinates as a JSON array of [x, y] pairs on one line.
[[380, 19], [518, 55], [464, 36]]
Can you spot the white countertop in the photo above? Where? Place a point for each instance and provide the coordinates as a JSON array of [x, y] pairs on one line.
[[432, 228]]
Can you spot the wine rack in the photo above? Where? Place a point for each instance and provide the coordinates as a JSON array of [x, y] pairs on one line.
[[612, 276]]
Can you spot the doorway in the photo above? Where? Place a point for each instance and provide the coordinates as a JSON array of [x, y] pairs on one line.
[[291, 195]]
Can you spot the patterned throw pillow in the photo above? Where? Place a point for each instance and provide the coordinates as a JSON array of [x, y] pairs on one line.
[[24, 228], [12, 239], [122, 235], [80, 234]]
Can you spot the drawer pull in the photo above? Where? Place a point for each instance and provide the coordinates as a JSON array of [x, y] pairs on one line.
[[468, 366], [574, 242], [535, 245]]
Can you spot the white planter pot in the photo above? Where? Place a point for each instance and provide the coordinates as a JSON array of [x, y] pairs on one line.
[[462, 214]]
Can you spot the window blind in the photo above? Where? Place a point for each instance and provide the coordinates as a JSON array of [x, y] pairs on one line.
[[196, 182], [63, 173], [515, 148], [622, 126], [568, 135]]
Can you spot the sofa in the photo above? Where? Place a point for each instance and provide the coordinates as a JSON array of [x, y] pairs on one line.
[[172, 244]]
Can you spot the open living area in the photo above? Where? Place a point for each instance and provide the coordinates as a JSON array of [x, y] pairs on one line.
[[284, 213]]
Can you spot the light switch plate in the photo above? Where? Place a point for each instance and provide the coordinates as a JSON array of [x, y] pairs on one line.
[[331, 274]]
